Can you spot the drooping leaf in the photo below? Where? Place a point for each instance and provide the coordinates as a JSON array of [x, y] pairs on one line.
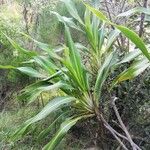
[[68, 21], [46, 64], [21, 49], [129, 56], [7, 67], [33, 91], [72, 10], [133, 71], [135, 39], [26, 70], [64, 128], [103, 74], [124, 30], [31, 72], [76, 65], [52, 106], [97, 13], [46, 47], [46, 131], [135, 10], [111, 38]]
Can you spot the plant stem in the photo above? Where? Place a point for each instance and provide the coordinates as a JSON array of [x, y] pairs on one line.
[[107, 126], [107, 8], [134, 146], [141, 30]]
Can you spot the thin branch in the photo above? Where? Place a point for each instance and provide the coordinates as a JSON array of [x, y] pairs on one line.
[[107, 8], [139, 3], [134, 146], [113, 133], [141, 30], [123, 4]]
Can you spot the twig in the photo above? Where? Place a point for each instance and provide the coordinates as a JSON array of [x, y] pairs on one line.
[[134, 146], [113, 133], [108, 10], [141, 30], [139, 3], [123, 4], [111, 20]]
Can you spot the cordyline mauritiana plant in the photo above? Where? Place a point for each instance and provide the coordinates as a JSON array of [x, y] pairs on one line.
[[80, 82]]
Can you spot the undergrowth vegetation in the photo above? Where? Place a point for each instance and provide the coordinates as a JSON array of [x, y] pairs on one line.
[[80, 82]]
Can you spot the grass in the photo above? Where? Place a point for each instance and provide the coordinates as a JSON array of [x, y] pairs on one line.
[[9, 122], [12, 117]]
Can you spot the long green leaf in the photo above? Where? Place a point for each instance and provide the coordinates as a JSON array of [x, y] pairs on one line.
[[64, 128], [88, 28], [20, 49], [33, 91], [135, 39], [26, 70], [103, 74], [44, 47], [97, 13], [135, 10], [31, 72], [72, 10], [129, 56], [127, 32], [46, 64], [52, 106], [46, 131], [75, 60], [7, 67], [111, 38], [133, 71], [68, 21]]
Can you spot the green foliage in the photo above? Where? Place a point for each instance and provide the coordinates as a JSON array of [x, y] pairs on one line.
[[127, 32], [81, 84], [9, 121], [135, 10]]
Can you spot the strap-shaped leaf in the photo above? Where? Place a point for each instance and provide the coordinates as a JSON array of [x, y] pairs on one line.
[[127, 32], [88, 29], [67, 21], [72, 10], [30, 72], [135, 39], [7, 67], [64, 128], [46, 131], [103, 74], [135, 10], [111, 38], [52, 106], [129, 57], [47, 48], [97, 13], [133, 71], [33, 91], [26, 70], [20, 49], [46, 64], [75, 60], [101, 37]]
